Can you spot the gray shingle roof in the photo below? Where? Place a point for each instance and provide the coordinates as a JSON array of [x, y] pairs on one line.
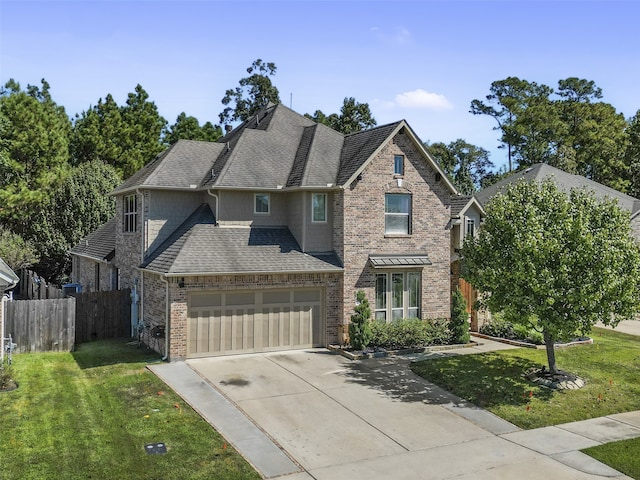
[[200, 247], [565, 181], [358, 148], [458, 203], [275, 148], [183, 165], [100, 244]]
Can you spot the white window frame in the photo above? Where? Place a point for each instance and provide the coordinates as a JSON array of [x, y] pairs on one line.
[[130, 214], [389, 215], [470, 227], [386, 306], [267, 196], [313, 210], [398, 165]]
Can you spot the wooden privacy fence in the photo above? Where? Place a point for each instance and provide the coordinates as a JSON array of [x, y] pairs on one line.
[[101, 315], [42, 325], [34, 287], [58, 324]]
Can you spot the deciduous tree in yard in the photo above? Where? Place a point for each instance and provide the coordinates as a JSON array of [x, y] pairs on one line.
[[567, 261]]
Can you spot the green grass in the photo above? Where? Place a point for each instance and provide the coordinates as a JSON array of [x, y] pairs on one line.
[[90, 413], [494, 381], [622, 455]]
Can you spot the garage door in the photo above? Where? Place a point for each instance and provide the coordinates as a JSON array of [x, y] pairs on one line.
[[224, 323]]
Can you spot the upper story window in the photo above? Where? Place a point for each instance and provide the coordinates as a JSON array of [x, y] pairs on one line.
[[397, 213], [130, 214], [261, 203], [398, 165], [470, 227], [319, 207]]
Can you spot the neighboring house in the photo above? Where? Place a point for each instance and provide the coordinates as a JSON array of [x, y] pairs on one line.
[[466, 217], [260, 241], [8, 278], [567, 181], [91, 260]]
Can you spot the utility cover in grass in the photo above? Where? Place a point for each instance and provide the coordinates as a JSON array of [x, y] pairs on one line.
[[156, 448]]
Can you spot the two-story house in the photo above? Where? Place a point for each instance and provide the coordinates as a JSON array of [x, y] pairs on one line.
[[260, 241]]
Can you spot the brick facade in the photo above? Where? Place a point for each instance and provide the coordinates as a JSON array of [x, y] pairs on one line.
[[362, 219], [84, 273], [155, 290], [128, 245]]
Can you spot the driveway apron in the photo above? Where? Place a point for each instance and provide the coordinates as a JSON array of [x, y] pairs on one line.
[[375, 419]]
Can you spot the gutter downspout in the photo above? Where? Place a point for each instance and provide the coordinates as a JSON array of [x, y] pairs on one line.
[[164, 280], [142, 236], [217, 202]]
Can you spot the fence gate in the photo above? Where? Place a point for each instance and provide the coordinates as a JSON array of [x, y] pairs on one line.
[[102, 315]]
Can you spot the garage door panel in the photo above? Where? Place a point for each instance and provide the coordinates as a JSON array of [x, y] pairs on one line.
[[244, 322]]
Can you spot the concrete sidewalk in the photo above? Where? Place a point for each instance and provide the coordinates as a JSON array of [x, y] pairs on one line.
[[313, 414]]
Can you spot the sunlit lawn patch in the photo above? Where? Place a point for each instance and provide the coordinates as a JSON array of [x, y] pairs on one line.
[[611, 367], [89, 414]]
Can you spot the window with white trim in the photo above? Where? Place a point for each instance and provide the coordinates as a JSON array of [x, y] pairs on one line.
[[398, 164], [261, 203], [397, 213], [130, 214], [397, 296], [319, 207], [470, 227]]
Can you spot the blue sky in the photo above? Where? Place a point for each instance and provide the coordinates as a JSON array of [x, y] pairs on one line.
[[422, 61]]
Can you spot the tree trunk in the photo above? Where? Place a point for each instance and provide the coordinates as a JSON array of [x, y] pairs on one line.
[[551, 352]]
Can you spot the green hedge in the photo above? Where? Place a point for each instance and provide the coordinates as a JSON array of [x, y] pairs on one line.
[[409, 333]]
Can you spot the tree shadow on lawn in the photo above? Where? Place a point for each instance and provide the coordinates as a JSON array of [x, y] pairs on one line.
[[101, 353], [486, 380]]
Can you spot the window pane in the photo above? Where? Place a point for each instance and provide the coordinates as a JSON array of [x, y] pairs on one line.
[[397, 203], [397, 224], [381, 291], [397, 209], [397, 289], [398, 165], [396, 314], [319, 201], [381, 315], [413, 279], [262, 203]]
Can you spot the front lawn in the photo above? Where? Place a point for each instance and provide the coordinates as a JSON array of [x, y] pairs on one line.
[[494, 381], [622, 455], [90, 413]]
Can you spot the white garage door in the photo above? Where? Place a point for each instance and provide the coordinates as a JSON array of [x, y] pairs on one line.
[[224, 323]]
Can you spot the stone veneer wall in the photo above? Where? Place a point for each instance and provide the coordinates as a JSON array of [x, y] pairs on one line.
[[363, 224], [154, 291]]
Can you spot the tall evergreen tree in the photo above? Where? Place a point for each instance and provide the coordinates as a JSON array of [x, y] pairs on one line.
[[34, 150], [188, 128], [354, 117], [126, 136]]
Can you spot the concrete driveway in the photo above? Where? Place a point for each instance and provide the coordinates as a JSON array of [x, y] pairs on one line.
[[374, 419]]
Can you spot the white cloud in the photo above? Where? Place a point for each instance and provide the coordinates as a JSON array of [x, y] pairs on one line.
[[422, 99], [399, 36]]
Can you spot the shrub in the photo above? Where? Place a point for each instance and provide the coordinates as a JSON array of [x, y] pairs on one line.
[[409, 333], [498, 327], [360, 326], [6, 377], [459, 324]]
